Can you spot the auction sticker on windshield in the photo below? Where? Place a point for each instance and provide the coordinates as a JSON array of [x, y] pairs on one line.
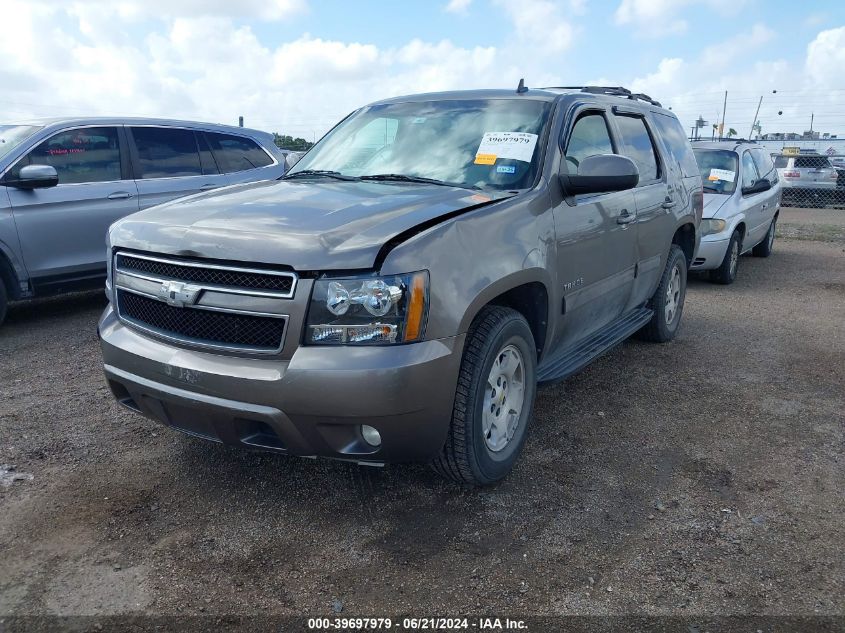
[[509, 145], [722, 174]]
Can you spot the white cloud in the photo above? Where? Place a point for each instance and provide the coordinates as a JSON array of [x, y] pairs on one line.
[[138, 9], [658, 18], [458, 6], [539, 24], [826, 56], [728, 52]]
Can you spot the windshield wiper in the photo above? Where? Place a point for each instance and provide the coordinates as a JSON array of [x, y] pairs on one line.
[[318, 172], [420, 179], [711, 189]]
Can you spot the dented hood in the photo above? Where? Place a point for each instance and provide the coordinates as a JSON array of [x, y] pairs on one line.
[[309, 225]]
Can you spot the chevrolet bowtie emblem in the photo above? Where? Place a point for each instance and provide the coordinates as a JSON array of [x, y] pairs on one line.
[[179, 294]]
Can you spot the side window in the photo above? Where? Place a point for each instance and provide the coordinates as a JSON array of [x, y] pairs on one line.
[[780, 161], [207, 162], [764, 164], [676, 142], [749, 170], [637, 145], [237, 153], [89, 154], [589, 137], [167, 152]]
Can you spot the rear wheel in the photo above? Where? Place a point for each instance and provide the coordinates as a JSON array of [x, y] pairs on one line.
[[668, 300], [726, 272], [764, 248], [4, 301], [495, 394]]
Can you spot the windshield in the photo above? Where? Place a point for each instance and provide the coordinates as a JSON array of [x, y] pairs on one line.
[[13, 135], [718, 169], [471, 143]]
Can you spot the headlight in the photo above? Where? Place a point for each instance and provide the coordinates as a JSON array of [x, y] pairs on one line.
[[709, 227], [368, 310], [108, 267]]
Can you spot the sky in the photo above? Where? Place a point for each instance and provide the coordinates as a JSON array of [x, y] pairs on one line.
[[298, 66]]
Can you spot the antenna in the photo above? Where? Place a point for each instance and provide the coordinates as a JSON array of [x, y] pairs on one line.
[[521, 87]]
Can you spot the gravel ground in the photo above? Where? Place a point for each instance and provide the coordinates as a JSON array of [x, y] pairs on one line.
[[700, 477]]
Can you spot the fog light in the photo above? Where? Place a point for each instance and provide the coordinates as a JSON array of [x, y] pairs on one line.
[[370, 435]]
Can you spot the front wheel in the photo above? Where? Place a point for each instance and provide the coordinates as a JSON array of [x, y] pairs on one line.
[[495, 394], [668, 300], [726, 272]]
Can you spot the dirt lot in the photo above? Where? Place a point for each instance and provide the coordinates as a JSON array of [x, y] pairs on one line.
[[701, 477]]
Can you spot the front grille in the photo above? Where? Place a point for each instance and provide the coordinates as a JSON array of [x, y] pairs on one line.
[[276, 282], [202, 326]]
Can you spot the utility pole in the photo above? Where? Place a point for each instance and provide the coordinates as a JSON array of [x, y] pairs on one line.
[[754, 120], [812, 114], [724, 108]]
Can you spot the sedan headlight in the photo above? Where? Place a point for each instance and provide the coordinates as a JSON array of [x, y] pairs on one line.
[[709, 227], [368, 310]]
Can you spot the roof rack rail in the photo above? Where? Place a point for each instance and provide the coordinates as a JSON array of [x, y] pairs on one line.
[[614, 91]]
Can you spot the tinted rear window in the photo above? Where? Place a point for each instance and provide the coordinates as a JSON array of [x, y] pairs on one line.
[[781, 161], [636, 145], [167, 152], [90, 154], [812, 162], [676, 142], [237, 153]]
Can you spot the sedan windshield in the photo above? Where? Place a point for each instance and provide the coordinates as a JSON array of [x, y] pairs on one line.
[[468, 143], [718, 169], [13, 135]]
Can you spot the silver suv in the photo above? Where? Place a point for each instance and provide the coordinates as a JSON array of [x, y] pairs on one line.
[[64, 181], [809, 179], [741, 206], [398, 295]]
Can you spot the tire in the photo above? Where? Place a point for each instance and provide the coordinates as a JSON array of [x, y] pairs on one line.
[[663, 327], [725, 274], [4, 301], [477, 453], [764, 248]]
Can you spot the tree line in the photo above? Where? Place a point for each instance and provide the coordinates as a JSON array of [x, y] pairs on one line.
[[285, 141]]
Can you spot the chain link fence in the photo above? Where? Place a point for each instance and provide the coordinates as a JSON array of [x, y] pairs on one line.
[[811, 179]]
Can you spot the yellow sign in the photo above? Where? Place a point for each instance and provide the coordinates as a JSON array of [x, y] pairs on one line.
[[485, 159], [791, 151]]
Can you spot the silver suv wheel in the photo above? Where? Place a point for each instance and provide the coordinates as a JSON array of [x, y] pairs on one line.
[[673, 295], [503, 399]]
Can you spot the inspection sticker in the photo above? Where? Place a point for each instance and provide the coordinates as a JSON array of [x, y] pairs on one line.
[[506, 169], [722, 174], [513, 145]]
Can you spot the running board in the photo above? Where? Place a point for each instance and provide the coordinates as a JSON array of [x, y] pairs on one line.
[[585, 352]]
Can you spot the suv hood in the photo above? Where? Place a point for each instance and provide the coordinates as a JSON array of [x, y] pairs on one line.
[[713, 203], [308, 225]]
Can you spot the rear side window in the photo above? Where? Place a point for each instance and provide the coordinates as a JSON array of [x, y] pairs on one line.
[[589, 137], [237, 153], [89, 154], [676, 142], [167, 152], [637, 145], [781, 161]]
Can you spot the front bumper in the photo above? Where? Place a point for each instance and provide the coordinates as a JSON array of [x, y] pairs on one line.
[[711, 252], [310, 405]]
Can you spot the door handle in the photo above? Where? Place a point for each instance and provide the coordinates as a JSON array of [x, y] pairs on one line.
[[668, 203], [625, 217], [119, 195]]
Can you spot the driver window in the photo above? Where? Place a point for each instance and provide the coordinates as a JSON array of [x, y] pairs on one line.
[[749, 170], [589, 137]]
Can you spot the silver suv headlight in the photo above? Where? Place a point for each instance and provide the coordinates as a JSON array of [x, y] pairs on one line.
[[710, 227], [368, 310]]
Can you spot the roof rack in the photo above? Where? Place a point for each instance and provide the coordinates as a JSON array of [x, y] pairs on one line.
[[613, 91]]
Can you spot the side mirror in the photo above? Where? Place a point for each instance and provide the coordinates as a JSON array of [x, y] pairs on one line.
[[601, 173], [758, 187], [35, 177]]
